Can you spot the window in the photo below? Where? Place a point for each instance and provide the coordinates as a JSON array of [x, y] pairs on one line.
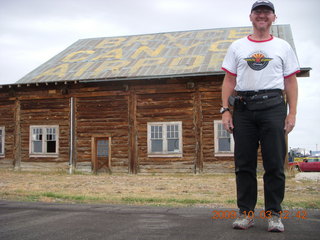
[[165, 139], [223, 141], [102, 147], [44, 140], [2, 141]]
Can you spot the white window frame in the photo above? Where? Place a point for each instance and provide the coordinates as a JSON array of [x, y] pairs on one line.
[[216, 142], [2, 141], [165, 152], [44, 152]]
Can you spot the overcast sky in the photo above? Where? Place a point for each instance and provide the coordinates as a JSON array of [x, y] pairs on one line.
[[33, 31]]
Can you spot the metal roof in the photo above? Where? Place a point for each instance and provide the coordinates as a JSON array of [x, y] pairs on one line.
[[183, 53]]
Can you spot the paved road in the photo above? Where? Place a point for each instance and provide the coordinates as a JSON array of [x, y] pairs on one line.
[[64, 221]]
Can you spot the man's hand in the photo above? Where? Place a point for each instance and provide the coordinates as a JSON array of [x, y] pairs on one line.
[[289, 123], [227, 121]]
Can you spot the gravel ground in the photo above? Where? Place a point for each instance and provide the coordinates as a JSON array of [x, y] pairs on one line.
[[308, 176]]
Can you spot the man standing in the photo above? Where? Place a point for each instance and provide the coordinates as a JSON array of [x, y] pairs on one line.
[[259, 68]]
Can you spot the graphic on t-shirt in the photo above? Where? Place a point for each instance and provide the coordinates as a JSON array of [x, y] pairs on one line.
[[258, 61]]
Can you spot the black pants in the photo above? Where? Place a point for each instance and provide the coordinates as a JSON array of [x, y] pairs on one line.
[[251, 128]]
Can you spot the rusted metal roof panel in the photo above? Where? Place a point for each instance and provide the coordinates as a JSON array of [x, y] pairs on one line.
[[142, 56]]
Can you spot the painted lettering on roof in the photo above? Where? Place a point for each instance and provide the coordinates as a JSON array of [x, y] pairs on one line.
[[158, 54]]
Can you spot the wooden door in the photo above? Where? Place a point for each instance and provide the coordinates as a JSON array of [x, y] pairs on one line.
[[101, 154]]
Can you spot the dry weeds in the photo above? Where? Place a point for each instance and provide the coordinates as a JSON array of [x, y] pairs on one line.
[[216, 190]]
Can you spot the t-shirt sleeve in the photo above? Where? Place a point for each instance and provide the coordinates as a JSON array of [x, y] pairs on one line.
[[291, 64], [229, 63]]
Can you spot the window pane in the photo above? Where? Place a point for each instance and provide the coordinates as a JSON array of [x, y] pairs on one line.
[[51, 134], [224, 139], [222, 132], [152, 132], [156, 146], [160, 132], [102, 148], [224, 144], [173, 145], [49, 137], [172, 131], [51, 146], [156, 132], [37, 134], [37, 146]]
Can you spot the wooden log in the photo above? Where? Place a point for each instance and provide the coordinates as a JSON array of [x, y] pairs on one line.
[[197, 114], [133, 152], [17, 134]]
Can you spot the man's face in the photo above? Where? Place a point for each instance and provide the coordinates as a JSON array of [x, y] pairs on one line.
[[262, 18]]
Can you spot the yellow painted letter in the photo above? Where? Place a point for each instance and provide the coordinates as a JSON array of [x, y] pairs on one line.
[[110, 42], [236, 34], [110, 66], [184, 49], [143, 40], [115, 53], [188, 64], [69, 57], [149, 51], [83, 69], [59, 71], [216, 47], [147, 62], [175, 38]]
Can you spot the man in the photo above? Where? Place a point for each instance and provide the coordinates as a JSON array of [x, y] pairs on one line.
[[259, 68]]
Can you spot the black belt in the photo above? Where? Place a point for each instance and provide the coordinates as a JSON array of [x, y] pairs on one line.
[[252, 93]]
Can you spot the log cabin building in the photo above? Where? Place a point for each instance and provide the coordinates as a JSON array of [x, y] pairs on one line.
[[132, 104]]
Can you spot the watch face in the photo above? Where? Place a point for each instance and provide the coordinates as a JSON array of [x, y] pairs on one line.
[[222, 110]]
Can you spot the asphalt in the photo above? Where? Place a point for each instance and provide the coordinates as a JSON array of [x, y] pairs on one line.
[[47, 221]]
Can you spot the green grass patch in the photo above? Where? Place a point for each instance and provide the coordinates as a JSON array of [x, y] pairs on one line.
[[302, 204], [54, 197], [163, 201], [231, 201], [65, 197]]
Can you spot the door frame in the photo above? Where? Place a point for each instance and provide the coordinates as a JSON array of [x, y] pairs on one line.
[[94, 159]]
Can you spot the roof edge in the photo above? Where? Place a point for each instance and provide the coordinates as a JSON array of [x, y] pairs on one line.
[[304, 72]]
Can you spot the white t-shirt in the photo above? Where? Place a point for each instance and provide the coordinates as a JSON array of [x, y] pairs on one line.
[[260, 65]]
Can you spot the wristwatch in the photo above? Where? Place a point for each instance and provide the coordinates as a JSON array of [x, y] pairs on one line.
[[223, 109]]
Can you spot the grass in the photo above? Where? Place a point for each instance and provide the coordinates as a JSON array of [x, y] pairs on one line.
[[215, 190], [164, 201]]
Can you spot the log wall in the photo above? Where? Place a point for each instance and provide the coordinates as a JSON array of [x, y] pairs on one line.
[[103, 116], [121, 110], [53, 111], [7, 114]]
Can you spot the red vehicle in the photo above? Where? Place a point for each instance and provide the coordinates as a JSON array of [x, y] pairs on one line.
[[309, 164]]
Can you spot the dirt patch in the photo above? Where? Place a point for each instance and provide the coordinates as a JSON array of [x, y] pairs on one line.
[[315, 176], [215, 190]]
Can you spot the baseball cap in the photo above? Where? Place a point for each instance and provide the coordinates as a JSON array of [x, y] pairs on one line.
[[263, 3]]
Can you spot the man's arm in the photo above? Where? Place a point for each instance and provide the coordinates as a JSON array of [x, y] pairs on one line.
[[291, 89], [228, 85]]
